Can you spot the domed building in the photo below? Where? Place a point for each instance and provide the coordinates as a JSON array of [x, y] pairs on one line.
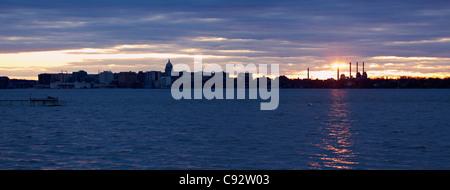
[[166, 79], [168, 68]]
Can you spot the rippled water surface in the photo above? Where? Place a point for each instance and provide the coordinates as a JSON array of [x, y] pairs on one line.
[[148, 129]]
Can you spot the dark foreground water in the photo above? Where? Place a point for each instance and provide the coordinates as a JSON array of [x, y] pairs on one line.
[[147, 129]]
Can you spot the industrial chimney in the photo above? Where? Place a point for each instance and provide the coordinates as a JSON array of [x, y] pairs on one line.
[[337, 73], [350, 69], [356, 67], [308, 74], [364, 75], [363, 67], [358, 74]]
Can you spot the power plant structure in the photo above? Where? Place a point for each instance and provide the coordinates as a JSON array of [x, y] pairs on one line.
[[358, 74], [364, 75]]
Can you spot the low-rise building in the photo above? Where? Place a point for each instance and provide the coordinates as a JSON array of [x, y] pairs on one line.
[[4, 82], [151, 79], [127, 79]]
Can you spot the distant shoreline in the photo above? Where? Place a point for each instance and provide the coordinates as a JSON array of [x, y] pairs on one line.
[[213, 88], [284, 83]]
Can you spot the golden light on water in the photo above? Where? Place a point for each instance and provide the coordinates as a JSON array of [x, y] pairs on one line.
[[337, 140]]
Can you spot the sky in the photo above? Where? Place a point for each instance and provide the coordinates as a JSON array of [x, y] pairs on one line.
[[393, 38]]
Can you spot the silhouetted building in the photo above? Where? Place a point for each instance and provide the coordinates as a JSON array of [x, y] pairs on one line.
[[91, 78], [141, 79], [20, 83], [364, 75], [79, 76], [127, 79], [165, 82], [151, 79], [168, 69], [4, 82], [45, 79], [105, 77], [63, 77]]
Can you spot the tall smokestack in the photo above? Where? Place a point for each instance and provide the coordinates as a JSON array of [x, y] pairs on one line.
[[350, 69], [363, 67], [337, 73], [308, 74], [356, 67]]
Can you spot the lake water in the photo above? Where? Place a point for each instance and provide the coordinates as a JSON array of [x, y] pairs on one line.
[[148, 129]]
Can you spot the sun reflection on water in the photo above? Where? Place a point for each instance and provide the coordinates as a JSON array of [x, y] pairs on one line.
[[336, 140]]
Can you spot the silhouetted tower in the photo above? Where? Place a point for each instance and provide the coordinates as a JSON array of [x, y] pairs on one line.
[[168, 68], [350, 69], [308, 74], [337, 73], [364, 75], [358, 75]]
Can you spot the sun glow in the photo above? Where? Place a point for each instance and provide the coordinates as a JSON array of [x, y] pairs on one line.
[[337, 64]]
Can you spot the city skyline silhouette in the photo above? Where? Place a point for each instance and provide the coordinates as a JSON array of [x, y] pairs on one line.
[[115, 36]]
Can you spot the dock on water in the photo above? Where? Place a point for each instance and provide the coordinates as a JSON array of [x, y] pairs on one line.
[[46, 101]]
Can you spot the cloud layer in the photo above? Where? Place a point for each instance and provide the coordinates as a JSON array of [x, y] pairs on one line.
[[292, 33]]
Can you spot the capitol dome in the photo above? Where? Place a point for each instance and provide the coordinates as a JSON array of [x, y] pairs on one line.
[[168, 69]]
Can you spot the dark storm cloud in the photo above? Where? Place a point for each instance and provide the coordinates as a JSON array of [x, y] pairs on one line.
[[277, 28]]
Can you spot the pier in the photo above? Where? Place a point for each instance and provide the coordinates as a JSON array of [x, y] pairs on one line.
[[47, 101]]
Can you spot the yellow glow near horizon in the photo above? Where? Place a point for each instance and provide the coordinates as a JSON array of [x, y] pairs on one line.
[[28, 64], [62, 57], [41, 59], [338, 64]]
